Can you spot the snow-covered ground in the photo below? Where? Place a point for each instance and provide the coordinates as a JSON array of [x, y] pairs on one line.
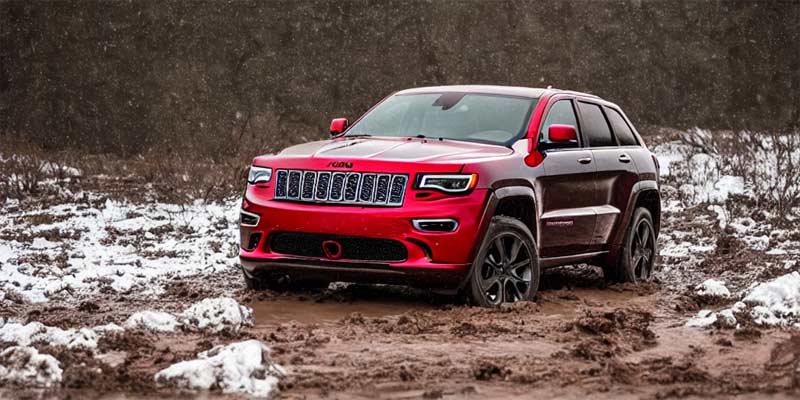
[[772, 303], [694, 180], [240, 367], [706, 206], [76, 249]]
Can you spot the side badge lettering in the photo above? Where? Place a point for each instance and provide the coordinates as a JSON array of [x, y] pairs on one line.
[[561, 223]]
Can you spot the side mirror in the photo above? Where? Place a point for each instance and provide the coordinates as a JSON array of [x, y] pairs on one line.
[[338, 126], [562, 133]]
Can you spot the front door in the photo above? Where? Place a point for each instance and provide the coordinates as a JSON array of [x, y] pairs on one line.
[[566, 190]]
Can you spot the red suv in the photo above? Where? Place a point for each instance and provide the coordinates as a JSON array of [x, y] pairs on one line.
[[457, 188]]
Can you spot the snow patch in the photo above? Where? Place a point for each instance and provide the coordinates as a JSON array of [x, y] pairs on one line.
[[108, 328], [152, 321], [776, 302], [216, 315], [666, 158], [208, 315], [712, 288], [703, 319], [24, 366], [726, 186], [726, 318], [243, 367], [773, 303], [43, 244], [684, 249], [36, 332]]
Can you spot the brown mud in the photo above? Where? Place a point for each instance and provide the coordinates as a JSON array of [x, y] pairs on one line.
[[362, 341]]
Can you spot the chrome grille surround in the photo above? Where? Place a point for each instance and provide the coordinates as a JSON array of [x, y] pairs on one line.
[[335, 187]]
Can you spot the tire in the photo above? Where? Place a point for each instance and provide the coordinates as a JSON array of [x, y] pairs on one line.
[[637, 257], [502, 277], [254, 280], [280, 282]]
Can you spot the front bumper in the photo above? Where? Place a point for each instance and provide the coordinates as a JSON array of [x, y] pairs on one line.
[[434, 259]]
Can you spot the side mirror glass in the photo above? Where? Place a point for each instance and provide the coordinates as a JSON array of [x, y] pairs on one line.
[[562, 134], [338, 125]]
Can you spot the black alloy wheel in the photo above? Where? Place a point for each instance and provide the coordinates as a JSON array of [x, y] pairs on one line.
[[506, 268]]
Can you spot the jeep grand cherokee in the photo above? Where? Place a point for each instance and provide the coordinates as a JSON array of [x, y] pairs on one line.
[[470, 188]]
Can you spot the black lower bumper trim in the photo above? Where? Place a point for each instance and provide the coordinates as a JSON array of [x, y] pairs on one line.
[[358, 272]]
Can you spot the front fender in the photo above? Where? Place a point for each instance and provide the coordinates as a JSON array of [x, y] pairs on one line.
[[495, 197]]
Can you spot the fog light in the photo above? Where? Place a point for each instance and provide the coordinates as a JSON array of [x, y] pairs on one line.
[[247, 218], [253, 242], [435, 225]]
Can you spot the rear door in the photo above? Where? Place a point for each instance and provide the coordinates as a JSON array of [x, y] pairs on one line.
[[616, 171], [566, 189]]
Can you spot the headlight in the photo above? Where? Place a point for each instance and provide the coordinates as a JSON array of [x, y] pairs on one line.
[[449, 183], [259, 175]]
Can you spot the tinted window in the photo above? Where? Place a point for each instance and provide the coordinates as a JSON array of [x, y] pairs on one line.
[[621, 128], [459, 116], [595, 126], [560, 113]]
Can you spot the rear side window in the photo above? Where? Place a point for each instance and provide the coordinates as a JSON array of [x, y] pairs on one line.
[[621, 129], [561, 113], [595, 126]]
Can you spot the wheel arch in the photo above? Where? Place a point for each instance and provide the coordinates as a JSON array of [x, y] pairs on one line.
[[651, 200], [518, 202], [644, 194], [511, 199]]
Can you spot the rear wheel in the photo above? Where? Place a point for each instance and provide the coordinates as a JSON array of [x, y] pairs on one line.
[[506, 266], [256, 280], [637, 258]]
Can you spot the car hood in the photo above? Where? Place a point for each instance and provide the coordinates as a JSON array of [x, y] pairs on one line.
[[398, 149]]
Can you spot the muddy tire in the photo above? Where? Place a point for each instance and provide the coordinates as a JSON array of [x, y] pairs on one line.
[[276, 282], [637, 257], [253, 280], [506, 265]]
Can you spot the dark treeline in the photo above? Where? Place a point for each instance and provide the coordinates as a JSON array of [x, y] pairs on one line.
[[126, 77]]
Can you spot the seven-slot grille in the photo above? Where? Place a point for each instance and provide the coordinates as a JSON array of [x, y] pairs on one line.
[[340, 187]]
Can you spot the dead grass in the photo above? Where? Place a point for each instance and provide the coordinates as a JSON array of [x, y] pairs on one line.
[[168, 177], [20, 169], [27, 172], [768, 162]]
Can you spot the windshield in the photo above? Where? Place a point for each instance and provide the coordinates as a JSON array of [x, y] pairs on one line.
[[485, 118]]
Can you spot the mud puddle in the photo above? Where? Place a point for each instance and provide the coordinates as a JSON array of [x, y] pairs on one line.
[[569, 303], [278, 311], [375, 301]]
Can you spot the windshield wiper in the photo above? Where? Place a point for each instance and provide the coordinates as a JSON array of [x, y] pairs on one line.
[[358, 135], [424, 136]]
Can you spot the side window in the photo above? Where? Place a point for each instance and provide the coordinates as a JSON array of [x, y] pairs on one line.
[[595, 126], [621, 129], [561, 113]]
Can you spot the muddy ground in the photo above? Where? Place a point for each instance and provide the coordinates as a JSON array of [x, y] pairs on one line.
[[580, 337]]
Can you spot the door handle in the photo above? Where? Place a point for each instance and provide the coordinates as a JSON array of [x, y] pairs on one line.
[[585, 160], [624, 158]]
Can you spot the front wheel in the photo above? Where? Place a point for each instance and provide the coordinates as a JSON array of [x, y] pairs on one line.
[[506, 266]]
